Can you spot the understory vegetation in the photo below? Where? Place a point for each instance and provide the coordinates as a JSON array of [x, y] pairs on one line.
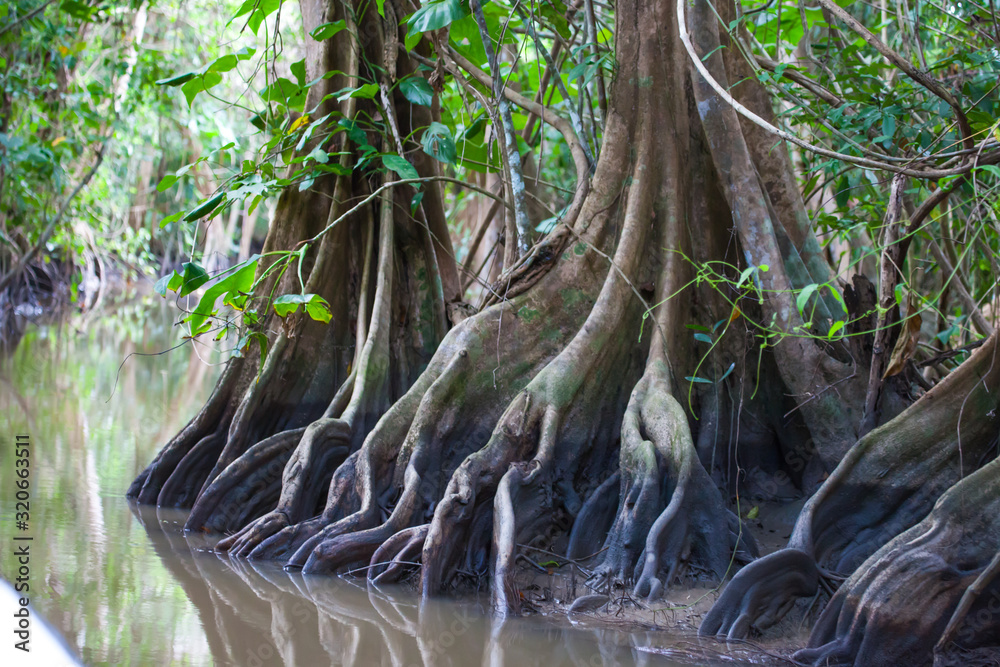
[[603, 279]]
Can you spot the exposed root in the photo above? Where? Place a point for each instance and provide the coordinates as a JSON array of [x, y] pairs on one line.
[[888, 482], [247, 487], [670, 512], [396, 556], [894, 608]]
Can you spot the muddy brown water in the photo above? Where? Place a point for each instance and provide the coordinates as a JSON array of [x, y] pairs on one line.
[[124, 585]]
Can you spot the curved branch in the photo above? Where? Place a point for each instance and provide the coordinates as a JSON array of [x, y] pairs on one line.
[[788, 136], [902, 63]]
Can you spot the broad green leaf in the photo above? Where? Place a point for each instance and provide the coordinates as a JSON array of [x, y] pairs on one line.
[[238, 280], [264, 9], [286, 304], [316, 306], [416, 89], [171, 218], [400, 166], [319, 310], [803, 297], [436, 14], [298, 69], [167, 181], [161, 285], [439, 143], [194, 276], [199, 84], [327, 30]]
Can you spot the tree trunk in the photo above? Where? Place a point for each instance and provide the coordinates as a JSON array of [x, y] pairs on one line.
[[394, 435]]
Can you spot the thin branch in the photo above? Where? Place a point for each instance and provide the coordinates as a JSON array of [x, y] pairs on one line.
[[902, 63], [574, 116], [549, 116], [989, 158], [890, 274], [516, 175], [403, 181], [27, 17], [975, 315]]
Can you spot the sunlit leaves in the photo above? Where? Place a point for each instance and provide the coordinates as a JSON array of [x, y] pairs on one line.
[[327, 30], [316, 307], [258, 10], [436, 14]]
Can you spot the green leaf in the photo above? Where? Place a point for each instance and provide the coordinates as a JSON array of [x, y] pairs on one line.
[[223, 64], [194, 276], [161, 285], [264, 9], [400, 166], [691, 378], [238, 280], [381, 7], [803, 297], [434, 15], [728, 371], [205, 208], [298, 70], [177, 80], [199, 84], [167, 181], [704, 338], [834, 328], [416, 89], [316, 306], [439, 143], [888, 128], [415, 202], [319, 310], [319, 155], [327, 30], [285, 91], [171, 218], [365, 92]]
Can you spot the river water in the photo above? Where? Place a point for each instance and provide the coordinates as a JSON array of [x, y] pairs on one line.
[[124, 585]]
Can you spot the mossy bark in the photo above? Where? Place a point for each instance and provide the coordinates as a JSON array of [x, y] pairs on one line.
[[563, 412]]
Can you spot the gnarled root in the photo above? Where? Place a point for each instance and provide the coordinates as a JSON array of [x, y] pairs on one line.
[[299, 486], [670, 512], [247, 487], [764, 598], [894, 608], [888, 482], [395, 481]]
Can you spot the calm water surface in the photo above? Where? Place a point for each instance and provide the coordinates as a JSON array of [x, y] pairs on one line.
[[124, 585]]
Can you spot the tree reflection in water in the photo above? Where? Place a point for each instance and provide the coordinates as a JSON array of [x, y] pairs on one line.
[[255, 614]]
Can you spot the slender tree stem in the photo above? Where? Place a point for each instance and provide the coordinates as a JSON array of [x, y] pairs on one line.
[[516, 173]]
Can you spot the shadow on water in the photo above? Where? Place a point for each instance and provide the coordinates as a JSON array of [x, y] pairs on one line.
[[125, 586]]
